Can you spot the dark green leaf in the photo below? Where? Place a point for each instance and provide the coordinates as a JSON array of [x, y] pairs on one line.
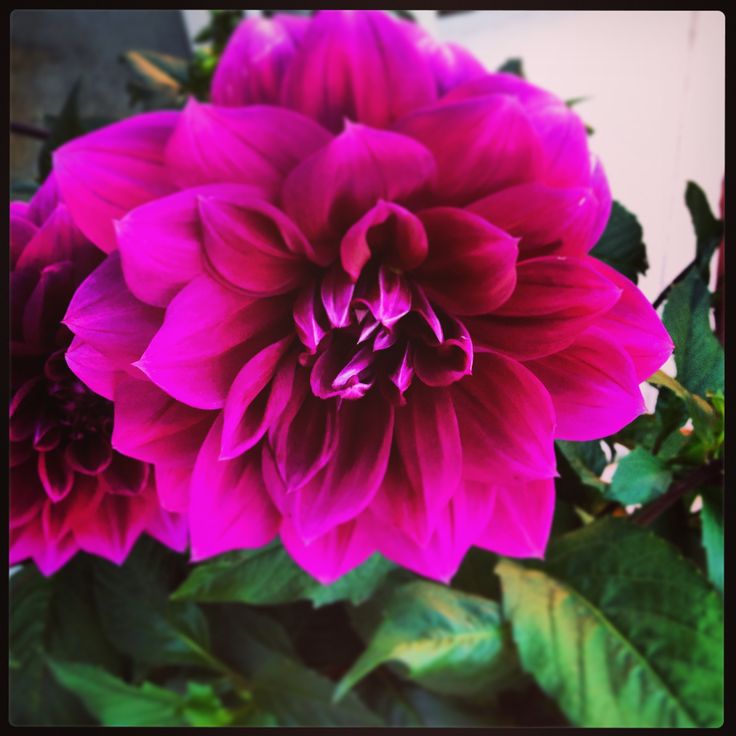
[[698, 354], [619, 629], [639, 478], [65, 126], [268, 575], [297, 696], [621, 245], [587, 459], [52, 616], [708, 229], [711, 518], [137, 615], [202, 706], [513, 66], [449, 641]]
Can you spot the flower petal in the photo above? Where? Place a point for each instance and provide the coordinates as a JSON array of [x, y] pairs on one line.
[[330, 556], [347, 484], [480, 145], [470, 268], [521, 521], [361, 65], [506, 420], [334, 187], [255, 145], [633, 324], [253, 63], [387, 231], [229, 506], [555, 299], [593, 385], [151, 426], [208, 334], [253, 246], [106, 173]]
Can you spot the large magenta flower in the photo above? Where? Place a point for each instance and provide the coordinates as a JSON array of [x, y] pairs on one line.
[[364, 307], [69, 489]]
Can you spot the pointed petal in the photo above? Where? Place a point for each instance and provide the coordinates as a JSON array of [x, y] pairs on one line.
[[333, 554], [555, 299], [106, 173], [480, 145], [55, 473], [310, 319], [94, 368], [635, 326], [336, 291], [334, 187], [593, 385], [255, 145], [208, 334], [521, 521], [229, 506], [362, 65], [470, 268], [506, 420], [104, 314], [172, 487]]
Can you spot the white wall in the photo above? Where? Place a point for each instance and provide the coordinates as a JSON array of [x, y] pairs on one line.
[[656, 87]]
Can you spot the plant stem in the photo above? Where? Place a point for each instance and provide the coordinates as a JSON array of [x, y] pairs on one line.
[[704, 475], [29, 131]]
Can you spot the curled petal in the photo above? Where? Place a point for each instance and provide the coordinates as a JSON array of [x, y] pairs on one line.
[[555, 299], [253, 246], [521, 520], [470, 268], [337, 294], [106, 173], [334, 187], [444, 363], [386, 231], [255, 145], [593, 385], [310, 318], [507, 422], [360, 65], [250, 408], [254, 61], [57, 476], [229, 506]]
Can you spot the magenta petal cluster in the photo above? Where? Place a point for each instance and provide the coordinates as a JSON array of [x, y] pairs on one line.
[[353, 304], [69, 489]]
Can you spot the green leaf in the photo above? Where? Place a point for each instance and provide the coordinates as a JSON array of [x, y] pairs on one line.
[[708, 229], [137, 615], [639, 478], [52, 616], [619, 629], [268, 576], [202, 706], [513, 66], [296, 696], [65, 126], [621, 245], [711, 519], [698, 354], [449, 641], [115, 703]]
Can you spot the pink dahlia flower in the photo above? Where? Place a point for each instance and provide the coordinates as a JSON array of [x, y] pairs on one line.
[[69, 490], [355, 306]]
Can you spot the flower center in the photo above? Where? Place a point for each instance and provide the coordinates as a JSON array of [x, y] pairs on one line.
[[380, 332]]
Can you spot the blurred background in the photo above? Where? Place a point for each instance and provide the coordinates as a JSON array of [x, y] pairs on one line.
[[653, 84]]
